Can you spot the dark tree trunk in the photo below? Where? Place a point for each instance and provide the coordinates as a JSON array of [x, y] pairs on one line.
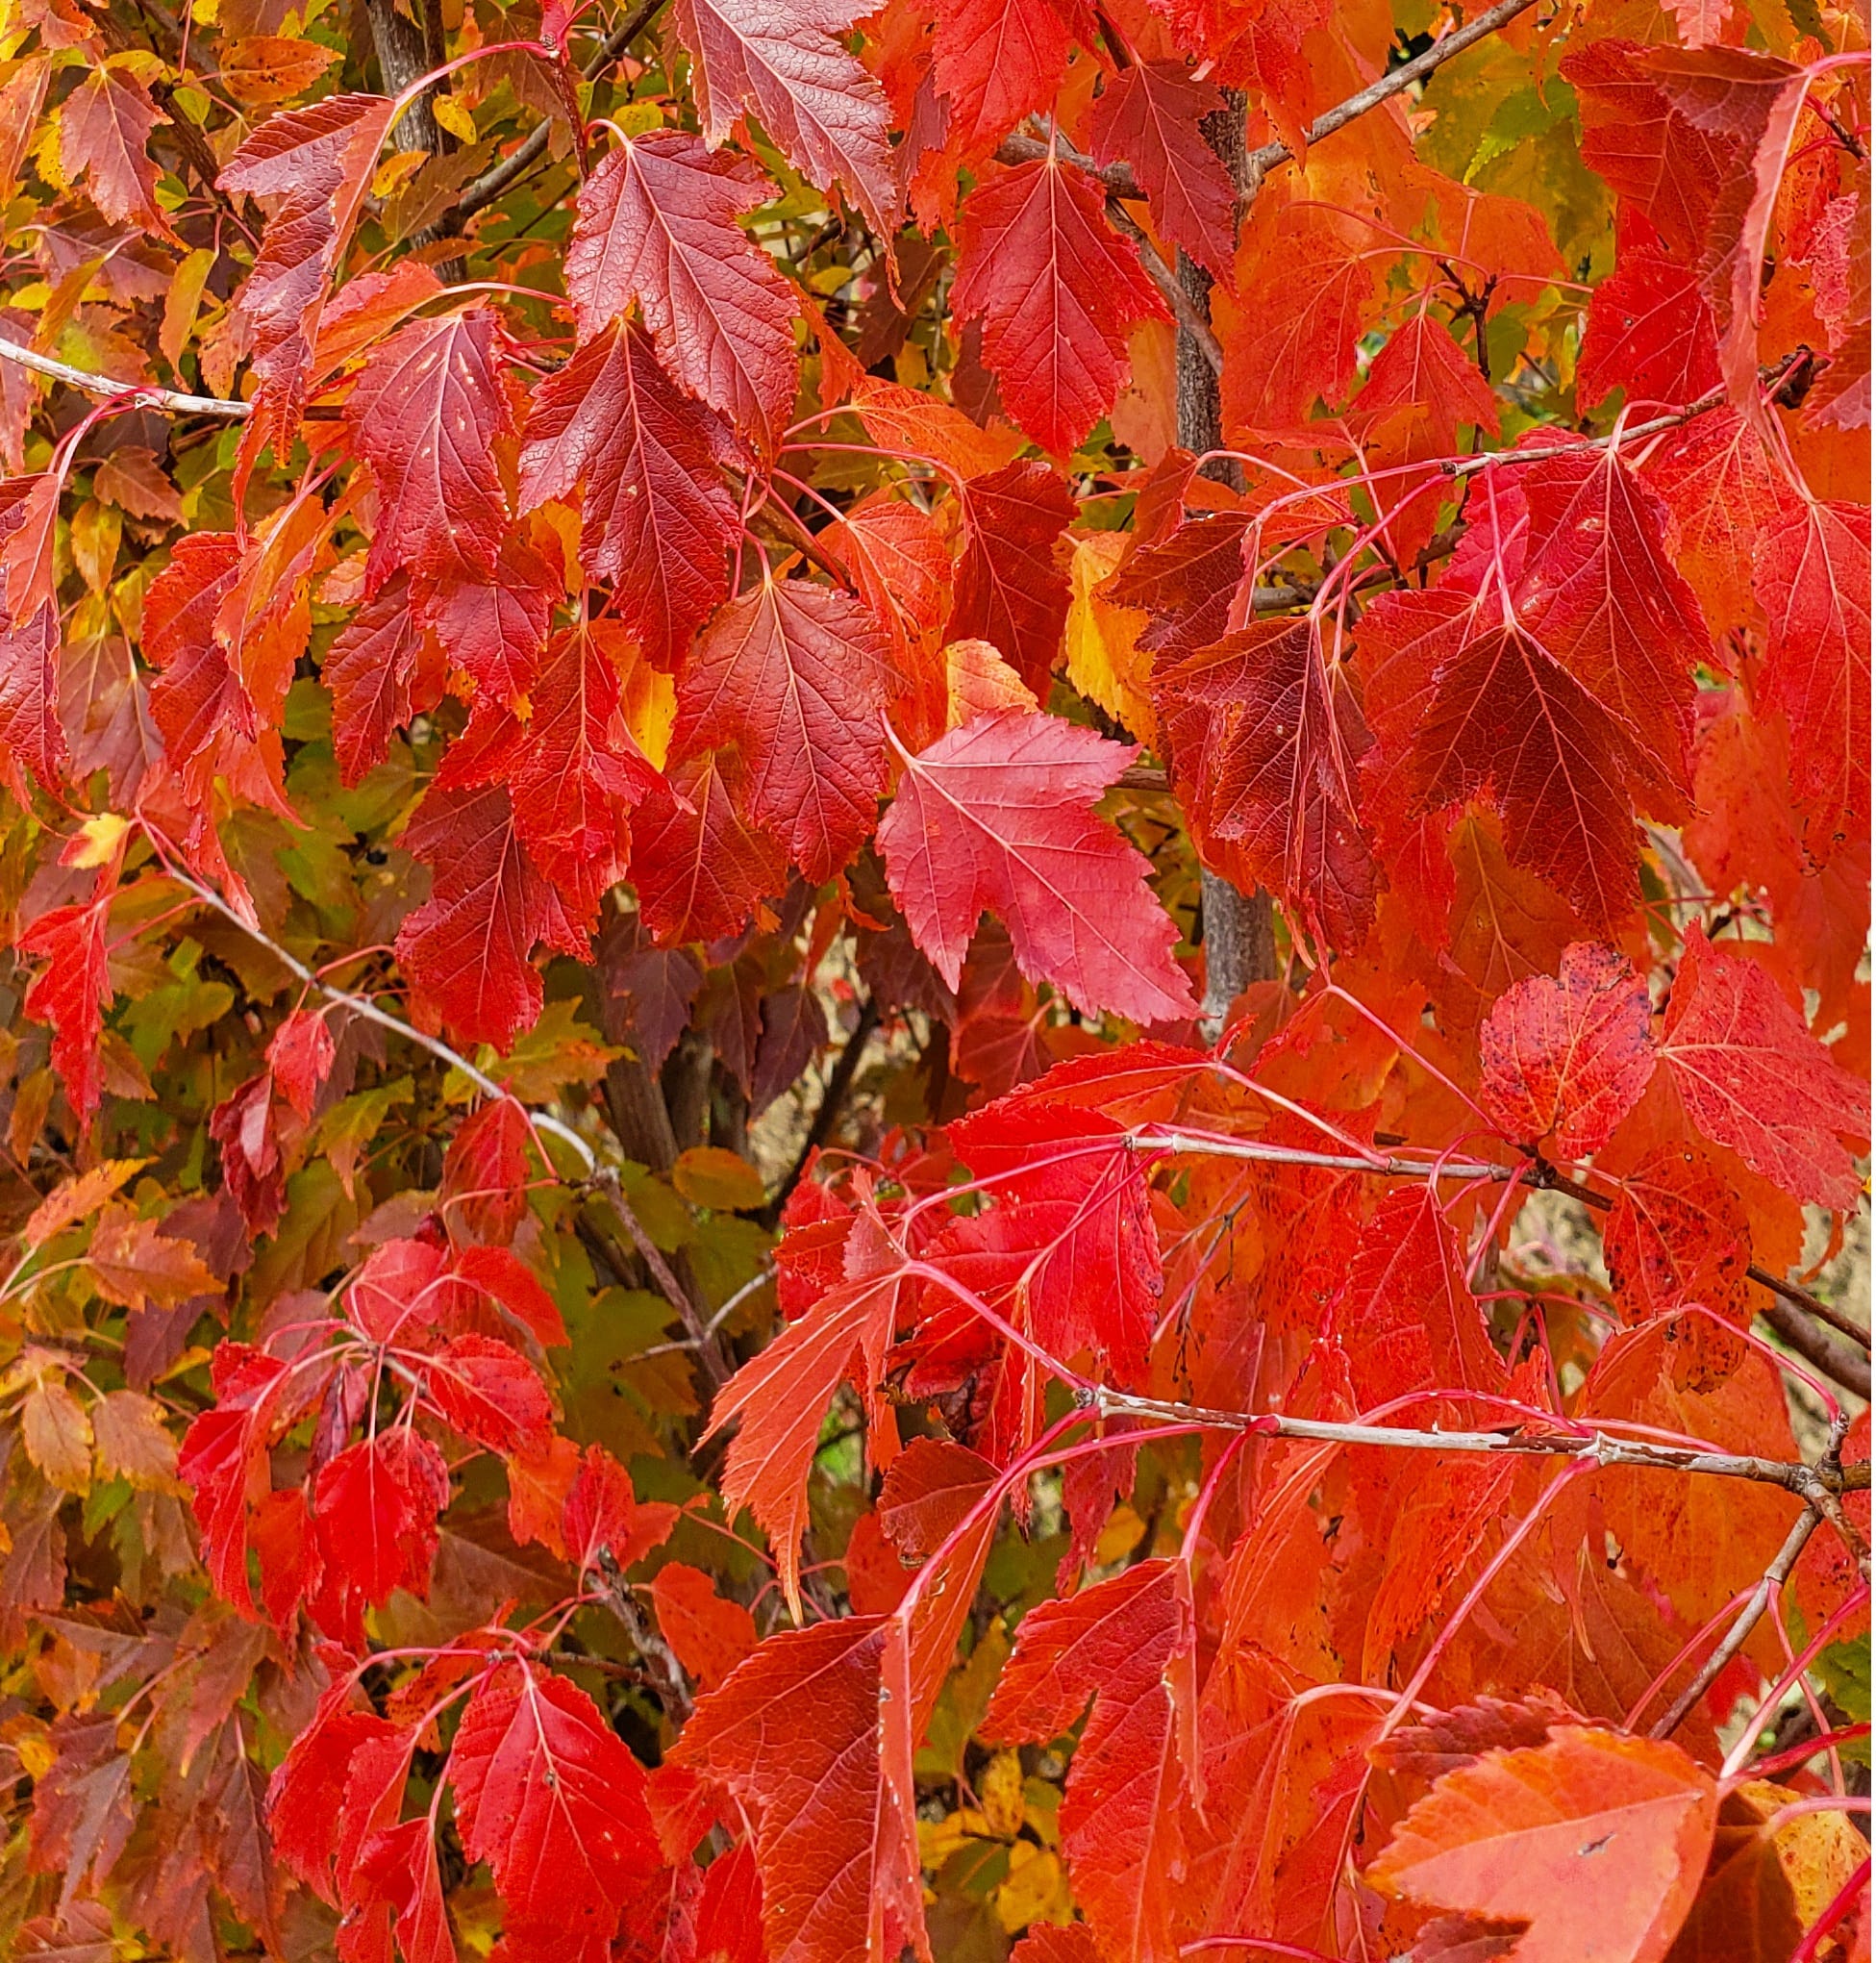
[[1240, 945]]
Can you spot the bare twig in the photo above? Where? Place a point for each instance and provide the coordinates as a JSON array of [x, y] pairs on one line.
[[363, 1006], [702, 1335], [840, 1082], [1743, 1624], [1119, 179], [1832, 1358], [662, 1665], [1263, 162], [1190, 320], [143, 395], [482, 191], [1600, 1447]]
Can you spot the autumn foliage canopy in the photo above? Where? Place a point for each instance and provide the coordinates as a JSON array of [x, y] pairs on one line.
[[938, 1007]]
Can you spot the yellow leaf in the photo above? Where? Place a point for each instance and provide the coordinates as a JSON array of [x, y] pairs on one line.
[[1000, 1794], [1035, 1890], [454, 116], [712, 1176], [397, 170], [38, 1754], [1120, 1537], [183, 302], [979, 682], [97, 531], [77, 1198], [96, 843], [58, 1435], [649, 697], [1106, 661]]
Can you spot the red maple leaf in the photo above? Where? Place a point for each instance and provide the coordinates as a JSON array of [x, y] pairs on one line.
[[1569, 1057], [792, 676], [548, 1796], [1011, 591], [1754, 1079], [656, 518], [657, 226], [1058, 291], [1264, 737], [1000, 815], [426, 413]]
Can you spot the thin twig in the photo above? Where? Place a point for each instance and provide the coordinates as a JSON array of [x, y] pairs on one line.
[[703, 1339], [143, 393], [1119, 179], [840, 1081], [1546, 1177], [1190, 318], [484, 191], [366, 1007], [1263, 162], [1743, 1624], [1597, 1446]]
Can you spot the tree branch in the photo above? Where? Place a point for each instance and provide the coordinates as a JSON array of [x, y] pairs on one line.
[[1600, 1447], [482, 191], [1263, 162], [144, 395], [1734, 1640]]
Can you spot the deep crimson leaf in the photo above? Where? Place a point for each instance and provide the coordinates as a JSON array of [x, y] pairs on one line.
[[547, 1795], [1754, 1079], [30, 731], [1569, 1057], [1149, 117], [999, 815], [468, 946], [658, 225], [791, 676], [1600, 593], [1058, 291], [376, 671], [655, 518], [793, 73], [1265, 736], [700, 869], [495, 630], [602, 1512], [811, 1732], [244, 1127], [426, 415], [1116, 1643], [1465, 706], [1011, 590]]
